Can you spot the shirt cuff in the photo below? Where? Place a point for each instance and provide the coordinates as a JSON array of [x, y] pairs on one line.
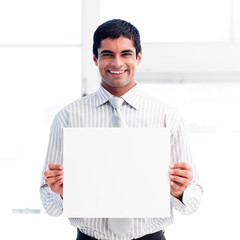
[[177, 203], [190, 200], [58, 201]]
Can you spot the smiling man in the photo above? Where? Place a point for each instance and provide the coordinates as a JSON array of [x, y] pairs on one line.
[[117, 53], [117, 62]]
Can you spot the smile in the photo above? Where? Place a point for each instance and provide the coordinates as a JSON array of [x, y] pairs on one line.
[[116, 72]]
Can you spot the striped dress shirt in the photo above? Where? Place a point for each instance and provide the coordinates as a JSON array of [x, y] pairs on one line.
[[141, 111]]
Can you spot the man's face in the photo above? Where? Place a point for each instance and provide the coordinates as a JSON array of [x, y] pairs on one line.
[[117, 64]]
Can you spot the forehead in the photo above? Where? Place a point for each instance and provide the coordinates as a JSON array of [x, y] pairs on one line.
[[118, 44]]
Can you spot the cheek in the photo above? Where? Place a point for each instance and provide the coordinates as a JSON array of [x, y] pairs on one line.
[[102, 66], [132, 63], [133, 67]]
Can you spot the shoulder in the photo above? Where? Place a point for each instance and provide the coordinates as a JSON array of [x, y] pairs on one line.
[[170, 114], [158, 102], [64, 114]]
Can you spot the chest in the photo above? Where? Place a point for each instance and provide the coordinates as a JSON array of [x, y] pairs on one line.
[[102, 117]]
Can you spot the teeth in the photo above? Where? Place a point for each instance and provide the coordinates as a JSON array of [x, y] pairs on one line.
[[116, 72]]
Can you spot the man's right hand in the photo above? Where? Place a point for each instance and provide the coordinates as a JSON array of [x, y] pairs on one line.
[[54, 178]]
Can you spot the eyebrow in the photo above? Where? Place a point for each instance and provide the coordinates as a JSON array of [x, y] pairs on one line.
[[127, 51], [124, 51], [106, 51]]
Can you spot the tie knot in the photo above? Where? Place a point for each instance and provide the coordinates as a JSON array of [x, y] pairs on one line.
[[116, 102]]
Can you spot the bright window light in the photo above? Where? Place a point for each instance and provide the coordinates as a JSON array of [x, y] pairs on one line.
[[207, 107], [40, 22], [236, 19], [173, 20], [36, 83]]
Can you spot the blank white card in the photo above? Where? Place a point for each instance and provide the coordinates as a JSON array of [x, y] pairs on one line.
[[116, 172]]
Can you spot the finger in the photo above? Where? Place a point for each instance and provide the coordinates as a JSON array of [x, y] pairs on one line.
[[59, 182], [55, 166], [53, 173], [58, 187], [52, 180], [177, 187], [180, 181], [181, 173], [181, 165]]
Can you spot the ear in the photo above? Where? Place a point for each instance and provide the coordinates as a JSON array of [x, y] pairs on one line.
[[95, 60], [139, 57]]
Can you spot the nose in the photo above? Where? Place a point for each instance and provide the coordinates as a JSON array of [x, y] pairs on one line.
[[117, 62]]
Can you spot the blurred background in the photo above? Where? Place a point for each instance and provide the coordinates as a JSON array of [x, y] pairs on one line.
[[191, 59]]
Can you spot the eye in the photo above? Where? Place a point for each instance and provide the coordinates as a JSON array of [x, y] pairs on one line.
[[127, 54]]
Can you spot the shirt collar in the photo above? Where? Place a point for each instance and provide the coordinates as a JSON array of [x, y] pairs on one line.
[[102, 96], [131, 97]]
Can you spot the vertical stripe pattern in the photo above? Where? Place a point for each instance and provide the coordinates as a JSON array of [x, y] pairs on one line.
[[141, 111]]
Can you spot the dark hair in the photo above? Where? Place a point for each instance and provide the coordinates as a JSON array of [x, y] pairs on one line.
[[114, 29]]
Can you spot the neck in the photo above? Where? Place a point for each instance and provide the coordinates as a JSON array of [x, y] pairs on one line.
[[118, 92]]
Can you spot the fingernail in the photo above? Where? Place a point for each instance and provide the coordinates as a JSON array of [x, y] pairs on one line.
[[171, 171], [171, 166]]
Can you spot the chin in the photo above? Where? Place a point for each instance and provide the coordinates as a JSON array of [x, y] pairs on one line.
[[117, 83]]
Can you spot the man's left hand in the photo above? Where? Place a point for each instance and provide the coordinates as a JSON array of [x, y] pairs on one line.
[[180, 175]]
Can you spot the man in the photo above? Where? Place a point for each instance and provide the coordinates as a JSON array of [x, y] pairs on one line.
[[117, 53]]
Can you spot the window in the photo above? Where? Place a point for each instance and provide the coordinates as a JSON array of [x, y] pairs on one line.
[[236, 20], [40, 61], [40, 22], [174, 20]]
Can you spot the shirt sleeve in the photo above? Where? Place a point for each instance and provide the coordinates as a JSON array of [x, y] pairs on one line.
[[52, 202], [180, 152]]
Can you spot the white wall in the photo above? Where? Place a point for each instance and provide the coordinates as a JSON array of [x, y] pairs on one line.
[[41, 70], [190, 61]]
